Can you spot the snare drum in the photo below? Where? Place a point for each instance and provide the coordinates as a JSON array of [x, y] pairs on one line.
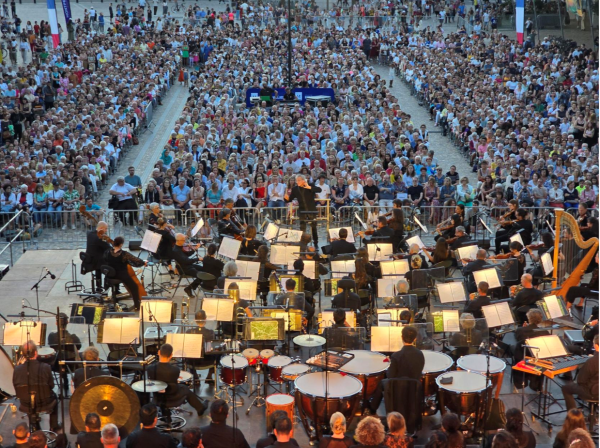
[[279, 402], [231, 374], [293, 371], [369, 368], [184, 377], [478, 364], [251, 355], [343, 395], [465, 395], [436, 363], [276, 365], [46, 355]]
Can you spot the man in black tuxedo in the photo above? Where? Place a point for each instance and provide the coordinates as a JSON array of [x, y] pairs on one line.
[[526, 298], [341, 246], [474, 306], [461, 238], [305, 195], [80, 375], [94, 252], [169, 373], [473, 266], [587, 381], [405, 363], [383, 230], [148, 436], [346, 299]]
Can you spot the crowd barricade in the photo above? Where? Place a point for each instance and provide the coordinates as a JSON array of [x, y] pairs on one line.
[[13, 232]]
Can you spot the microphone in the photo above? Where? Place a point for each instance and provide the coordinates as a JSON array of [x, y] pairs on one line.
[[52, 276]]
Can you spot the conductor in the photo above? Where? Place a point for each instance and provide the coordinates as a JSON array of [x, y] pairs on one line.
[[94, 252], [305, 194]]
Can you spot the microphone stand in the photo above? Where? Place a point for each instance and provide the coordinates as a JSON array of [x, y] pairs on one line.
[[37, 296]]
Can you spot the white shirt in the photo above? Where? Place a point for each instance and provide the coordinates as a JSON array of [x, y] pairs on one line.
[[275, 192], [230, 193], [325, 191], [125, 189]]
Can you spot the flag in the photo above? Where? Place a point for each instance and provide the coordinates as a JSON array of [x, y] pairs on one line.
[[520, 19], [53, 22], [66, 4]]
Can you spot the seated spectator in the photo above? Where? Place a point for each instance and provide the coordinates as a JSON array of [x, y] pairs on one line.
[[90, 438], [396, 436], [369, 433], [338, 438]]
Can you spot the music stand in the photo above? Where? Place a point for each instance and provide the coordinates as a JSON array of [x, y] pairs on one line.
[[310, 268], [186, 345], [394, 267], [229, 248], [87, 314], [498, 314], [219, 309], [417, 222], [490, 275], [342, 268], [326, 319], [415, 240], [386, 286], [248, 269], [345, 338], [409, 301], [379, 251], [247, 288], [424, 278], [197, 227], [552, 307], [467, 252], [451, 292], [18, 333], [388, 339], [390, 317], [280, 254]]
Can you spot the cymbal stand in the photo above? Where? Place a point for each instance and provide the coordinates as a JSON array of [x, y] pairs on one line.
[[523, 398]]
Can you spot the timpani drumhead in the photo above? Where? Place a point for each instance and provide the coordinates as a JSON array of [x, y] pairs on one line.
[[279, 361], [365, 363], [340, 386], [280, 399], [436, 361], [295, 369], [240, 361], [478, 363], [462, 381]]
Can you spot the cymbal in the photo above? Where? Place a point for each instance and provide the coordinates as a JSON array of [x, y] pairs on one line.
[[109, 397], [309, 340], [151, 386]]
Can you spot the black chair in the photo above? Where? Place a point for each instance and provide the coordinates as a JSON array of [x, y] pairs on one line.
[[404, 395], [170, 405], [592, 405], [28, 397], [182, 275], [111, 281]]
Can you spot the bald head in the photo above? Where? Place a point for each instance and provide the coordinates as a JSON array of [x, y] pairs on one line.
[[527, 280], [180, 239], [102, 226], [481, 254]]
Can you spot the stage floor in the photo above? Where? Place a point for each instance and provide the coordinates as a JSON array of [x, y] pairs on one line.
[[15, 290]]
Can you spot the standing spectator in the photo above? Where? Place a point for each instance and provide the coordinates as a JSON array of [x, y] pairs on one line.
[[218, 434], [397, 437], [148, 435], [110, 436], [90, 438]]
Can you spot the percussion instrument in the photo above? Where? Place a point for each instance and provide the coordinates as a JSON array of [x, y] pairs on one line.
[[465, 394], [266, 354], [251, 354], [478, 364], [293, 371], [369, 368], [46, 355], [151, 386], [436, 363], [233, 369], [315, 409], [309, 340], [280, 402], [184, 377], [112, 399], [276, 365]]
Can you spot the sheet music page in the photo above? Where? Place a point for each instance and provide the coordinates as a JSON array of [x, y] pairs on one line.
[[280, 254], [394, 267], [386, 286], [157, 311], [451, 292], [129, 330], [488, 275], [345, 266], [415, 240], [16, 334], [517, 237], [218, 309], [451, 320], [290, 235], [550, 346], [554, 309], [197, 227], [271, 232], [385, 250], [247, 288], [491, 316], [230, 248], [468, 252], [547, 265], [458, 292], [382, 317], [186, 345], [309, 268], [335, 234], [151, 241], [248, 269], [504, 313], [386, 339]]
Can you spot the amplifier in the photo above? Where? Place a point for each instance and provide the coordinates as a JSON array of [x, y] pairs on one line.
[[574, 337]]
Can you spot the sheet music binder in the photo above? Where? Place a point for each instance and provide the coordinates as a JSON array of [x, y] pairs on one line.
[[490, 276], [386, 339], [553, 307], [549, 346], [335, 234], [124, 330], [151, 241], [15, 333], [160, 311], [220, 310], [451, 292], [394, 267], [230, 248], [340, 268], [498, 314], [247, 288], [185, 345], [248, 269], [446, 321], [386, 286]]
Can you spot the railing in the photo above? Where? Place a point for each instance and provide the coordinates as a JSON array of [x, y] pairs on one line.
[[11, 233]]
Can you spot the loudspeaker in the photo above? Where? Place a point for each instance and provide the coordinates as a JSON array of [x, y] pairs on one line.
[[135, 245]]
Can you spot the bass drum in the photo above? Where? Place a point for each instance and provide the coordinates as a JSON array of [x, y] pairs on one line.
[[343, 395], [7, 390]]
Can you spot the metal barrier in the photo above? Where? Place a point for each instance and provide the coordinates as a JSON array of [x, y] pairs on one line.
[[11, 232]]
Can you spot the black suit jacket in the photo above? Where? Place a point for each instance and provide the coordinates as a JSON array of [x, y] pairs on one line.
[[306, 199], [169, 373], [221, 435], [407, 362], [38, 377], [212, 266], [474, 306], [340, 301], [94, 251], [183, 260], [227, 227], [527, 296], [342, 247], [150, 438], [384, 232], [89, 440]]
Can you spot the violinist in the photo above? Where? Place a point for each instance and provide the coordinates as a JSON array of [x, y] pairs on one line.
[[449, 230], [523, 226], [96, 246], [167, 241], [584, 222], [515, 252], [460, 238], [365, 272], [472, 266], [479, 300], [341, 246], [122, 261], [547, 244], [414, 249], [250, 244], [154, 215], [228, 205], [441, 252], [383, 230], [506, 221], [227, 226]]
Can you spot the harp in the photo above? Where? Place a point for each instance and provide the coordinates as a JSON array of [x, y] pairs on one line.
[[572, 255]]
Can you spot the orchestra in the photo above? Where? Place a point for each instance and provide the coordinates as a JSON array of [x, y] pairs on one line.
[[351, 319]]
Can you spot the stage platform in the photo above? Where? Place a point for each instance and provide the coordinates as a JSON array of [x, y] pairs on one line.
[[15, 290]]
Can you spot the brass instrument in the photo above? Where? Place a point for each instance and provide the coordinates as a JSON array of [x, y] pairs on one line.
[[514, 290], [240, 316]]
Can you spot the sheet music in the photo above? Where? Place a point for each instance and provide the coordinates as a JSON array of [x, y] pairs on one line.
[[550, 346], [468, 252], [248, 269], [271, 232], [389, 314], [395, 267], [345, 266], [451, 292], [554, 308], [488, 275], [289, 235], [547, 265], [485, 225], [327, 319], [151, 241], [386, 339], [384, 252], [451, 320], [498, 314], [15, 333], [423, 228], [310, 268], [247, 288], [415, 240], [335, 234], [280, 254], [230, 248], [125, 330], [386, 286], [361, 221], [186, 345], [197, 227], [517, 237], [157, 311], [218, 309]]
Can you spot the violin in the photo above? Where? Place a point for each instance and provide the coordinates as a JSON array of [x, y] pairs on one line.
[[502, 256], [105, 238]]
